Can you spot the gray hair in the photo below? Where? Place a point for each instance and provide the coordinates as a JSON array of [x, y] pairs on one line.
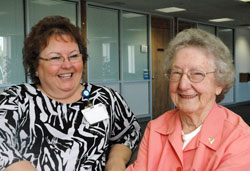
[[217, 50]]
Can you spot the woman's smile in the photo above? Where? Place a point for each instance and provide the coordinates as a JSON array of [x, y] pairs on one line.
[[188, 96], [64, 76]]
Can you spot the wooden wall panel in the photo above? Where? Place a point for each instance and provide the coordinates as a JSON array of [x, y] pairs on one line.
[[84, 34]]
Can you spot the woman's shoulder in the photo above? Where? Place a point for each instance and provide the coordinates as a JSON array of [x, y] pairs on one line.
[[165, 116], [16, 93], [234, 121], [97, 88], [19, 89], [163, 120], [230, 123], [101, 91]]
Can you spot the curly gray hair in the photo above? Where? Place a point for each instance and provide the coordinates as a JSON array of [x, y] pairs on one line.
[[222, 59]]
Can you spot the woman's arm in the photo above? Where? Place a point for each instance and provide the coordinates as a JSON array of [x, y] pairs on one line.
[[20, 166], [9, 124], [118, 158], [236, 156]]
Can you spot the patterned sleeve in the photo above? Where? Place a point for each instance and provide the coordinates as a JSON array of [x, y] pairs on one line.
[[9, 117], [126, 129]]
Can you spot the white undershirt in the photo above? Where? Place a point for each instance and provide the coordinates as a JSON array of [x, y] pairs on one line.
[[188, 137]]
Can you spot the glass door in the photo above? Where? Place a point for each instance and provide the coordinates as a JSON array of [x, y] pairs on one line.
[[102, 44], [135, 61], [117, 43]]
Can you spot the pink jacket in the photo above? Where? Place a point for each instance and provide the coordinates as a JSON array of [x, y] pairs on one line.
[[222, 144]]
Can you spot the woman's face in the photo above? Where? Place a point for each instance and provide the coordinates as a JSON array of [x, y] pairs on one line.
[[190, 97], [60, 80]]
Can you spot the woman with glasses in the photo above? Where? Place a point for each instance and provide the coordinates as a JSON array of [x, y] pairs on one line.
[[200, 134], [58, 123]]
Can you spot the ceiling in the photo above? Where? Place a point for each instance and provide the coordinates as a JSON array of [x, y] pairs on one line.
[[196, 10]]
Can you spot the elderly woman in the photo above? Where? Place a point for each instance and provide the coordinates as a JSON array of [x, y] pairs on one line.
[[58, 123], [199, 134]]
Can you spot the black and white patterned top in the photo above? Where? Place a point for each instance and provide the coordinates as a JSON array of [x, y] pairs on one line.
[[55, 136]]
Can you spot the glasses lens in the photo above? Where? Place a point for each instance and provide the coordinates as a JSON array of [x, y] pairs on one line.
[[175, 75], [196, 75], [75, 58], [55, 60]]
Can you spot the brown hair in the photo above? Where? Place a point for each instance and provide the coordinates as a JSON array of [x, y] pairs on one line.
[[38, 39]]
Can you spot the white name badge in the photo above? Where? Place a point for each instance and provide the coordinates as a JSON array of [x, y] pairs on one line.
[[95, 113]]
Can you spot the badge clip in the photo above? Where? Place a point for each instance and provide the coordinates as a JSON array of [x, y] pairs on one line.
[[86, 94]]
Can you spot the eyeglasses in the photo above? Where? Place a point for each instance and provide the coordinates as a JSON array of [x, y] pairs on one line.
[[195, 76], [59, 60]]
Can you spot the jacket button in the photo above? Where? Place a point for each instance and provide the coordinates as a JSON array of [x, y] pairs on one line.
[[178, 169]]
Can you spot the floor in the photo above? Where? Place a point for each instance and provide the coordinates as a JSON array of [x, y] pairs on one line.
[[241, 109]]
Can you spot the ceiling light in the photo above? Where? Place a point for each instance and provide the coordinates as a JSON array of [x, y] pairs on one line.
[[131, 15], [135, 30], [221, 19], [245, 0], [225, 30], [46, 2], [170, 9]]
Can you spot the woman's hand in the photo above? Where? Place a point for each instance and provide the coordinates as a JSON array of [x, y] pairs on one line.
[[20, 166], [118, 158]]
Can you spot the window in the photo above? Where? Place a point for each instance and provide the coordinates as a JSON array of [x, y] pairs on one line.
[[11, 42], [12, 31], [118, 54]]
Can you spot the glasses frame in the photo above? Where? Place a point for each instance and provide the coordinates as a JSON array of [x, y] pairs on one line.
[[168, 75], [79, 55]]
